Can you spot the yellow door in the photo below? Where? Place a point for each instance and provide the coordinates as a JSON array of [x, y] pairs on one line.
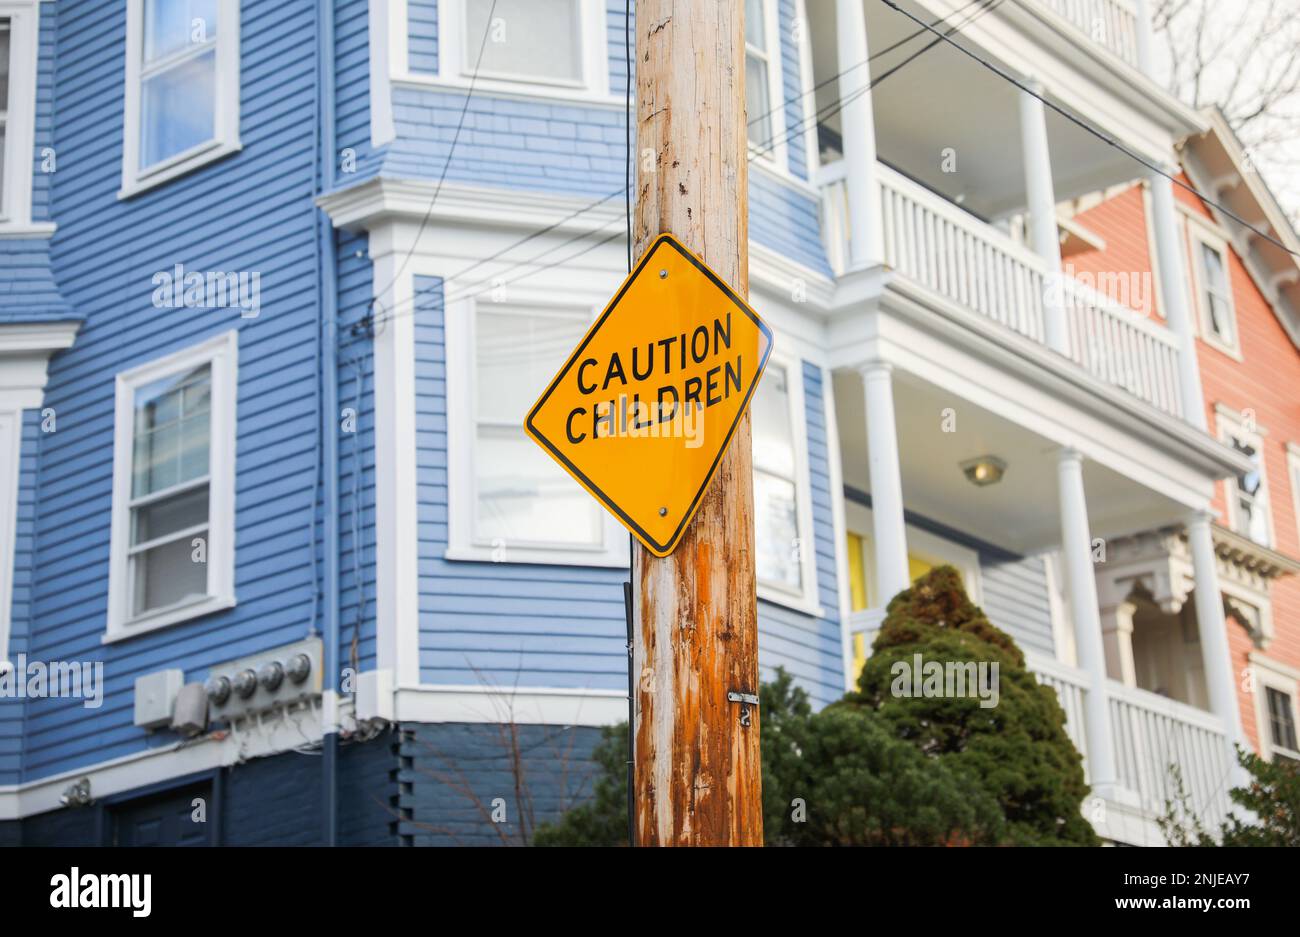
[[862, 589]]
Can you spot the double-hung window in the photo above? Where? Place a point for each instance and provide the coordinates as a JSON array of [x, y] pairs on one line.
[[19, 21], [1218, 316], [6, 40], [551, 48], [509, 501], [776, 505], [182, 87], [758, 76], [173, 489], [1250, 504], [1281, 723], [783, 549]]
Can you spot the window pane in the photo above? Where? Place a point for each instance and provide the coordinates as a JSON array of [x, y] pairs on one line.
[[1214, 273], [4, 65], [757, 102], [776, 531], [166, 575], [517, 354], [4, 102], [773, 437], [172, 431], [1281, 719], [529, 38], [524, 496], [755, 34], [171, 25], [179, 512], [177, 108]]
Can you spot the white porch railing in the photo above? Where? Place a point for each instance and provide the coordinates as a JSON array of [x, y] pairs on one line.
[[1111, 24], [1122, 347], [951, 252], [1150, 733]]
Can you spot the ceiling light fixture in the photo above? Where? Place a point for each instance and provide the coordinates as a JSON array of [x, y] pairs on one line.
[[984, 470]]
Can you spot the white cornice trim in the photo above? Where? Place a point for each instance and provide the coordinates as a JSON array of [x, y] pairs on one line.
[[522, 706], [47, 337]]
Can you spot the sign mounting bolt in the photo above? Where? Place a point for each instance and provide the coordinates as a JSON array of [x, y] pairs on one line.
[[663, 512], [663, 274]]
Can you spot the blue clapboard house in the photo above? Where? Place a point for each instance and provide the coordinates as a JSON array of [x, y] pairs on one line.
[[279, 280]]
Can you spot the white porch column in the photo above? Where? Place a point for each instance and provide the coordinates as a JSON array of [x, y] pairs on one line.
[[1076, 549], [1117, 639], [858, 133], [1043, 234], [1145, 37], [1220, 681], [887, 524], [1171, 258]]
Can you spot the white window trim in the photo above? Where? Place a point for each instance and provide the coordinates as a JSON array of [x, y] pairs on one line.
[[1230, 424], [920, 543], [807, 598], [1293, 473], [459, 324], [225, 139], [11, 437], [776, 153], [455, 65], [1279, 676], [20, 123], [1203, 232], [221, 352]]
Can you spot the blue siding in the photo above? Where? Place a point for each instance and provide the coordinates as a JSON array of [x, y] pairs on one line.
[[1016, 600], [422, 36], [20, 608], [352, 92], [616, 38], [508, 143], [453, 772], [786, 220], [251, 212], [792, 88]]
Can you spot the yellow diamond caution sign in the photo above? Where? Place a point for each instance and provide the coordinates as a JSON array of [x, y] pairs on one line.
[[642, 411]]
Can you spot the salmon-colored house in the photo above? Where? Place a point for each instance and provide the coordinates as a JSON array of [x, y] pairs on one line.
[[1243, 294]]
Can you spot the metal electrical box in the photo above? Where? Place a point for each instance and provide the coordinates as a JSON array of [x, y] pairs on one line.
[[266, 680]]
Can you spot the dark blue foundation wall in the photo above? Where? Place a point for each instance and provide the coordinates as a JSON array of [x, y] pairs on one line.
[[414, 785]]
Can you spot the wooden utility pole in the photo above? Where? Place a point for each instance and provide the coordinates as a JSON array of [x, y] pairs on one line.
[[695, 621]]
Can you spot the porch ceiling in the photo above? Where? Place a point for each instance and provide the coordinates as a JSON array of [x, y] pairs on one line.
[[945, 100], [1021, 513]]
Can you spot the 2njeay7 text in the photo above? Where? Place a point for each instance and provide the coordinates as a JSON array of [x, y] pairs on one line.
[[1200, 879]]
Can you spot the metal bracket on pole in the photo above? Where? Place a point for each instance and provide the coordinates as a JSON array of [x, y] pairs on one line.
[[745, 700]]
